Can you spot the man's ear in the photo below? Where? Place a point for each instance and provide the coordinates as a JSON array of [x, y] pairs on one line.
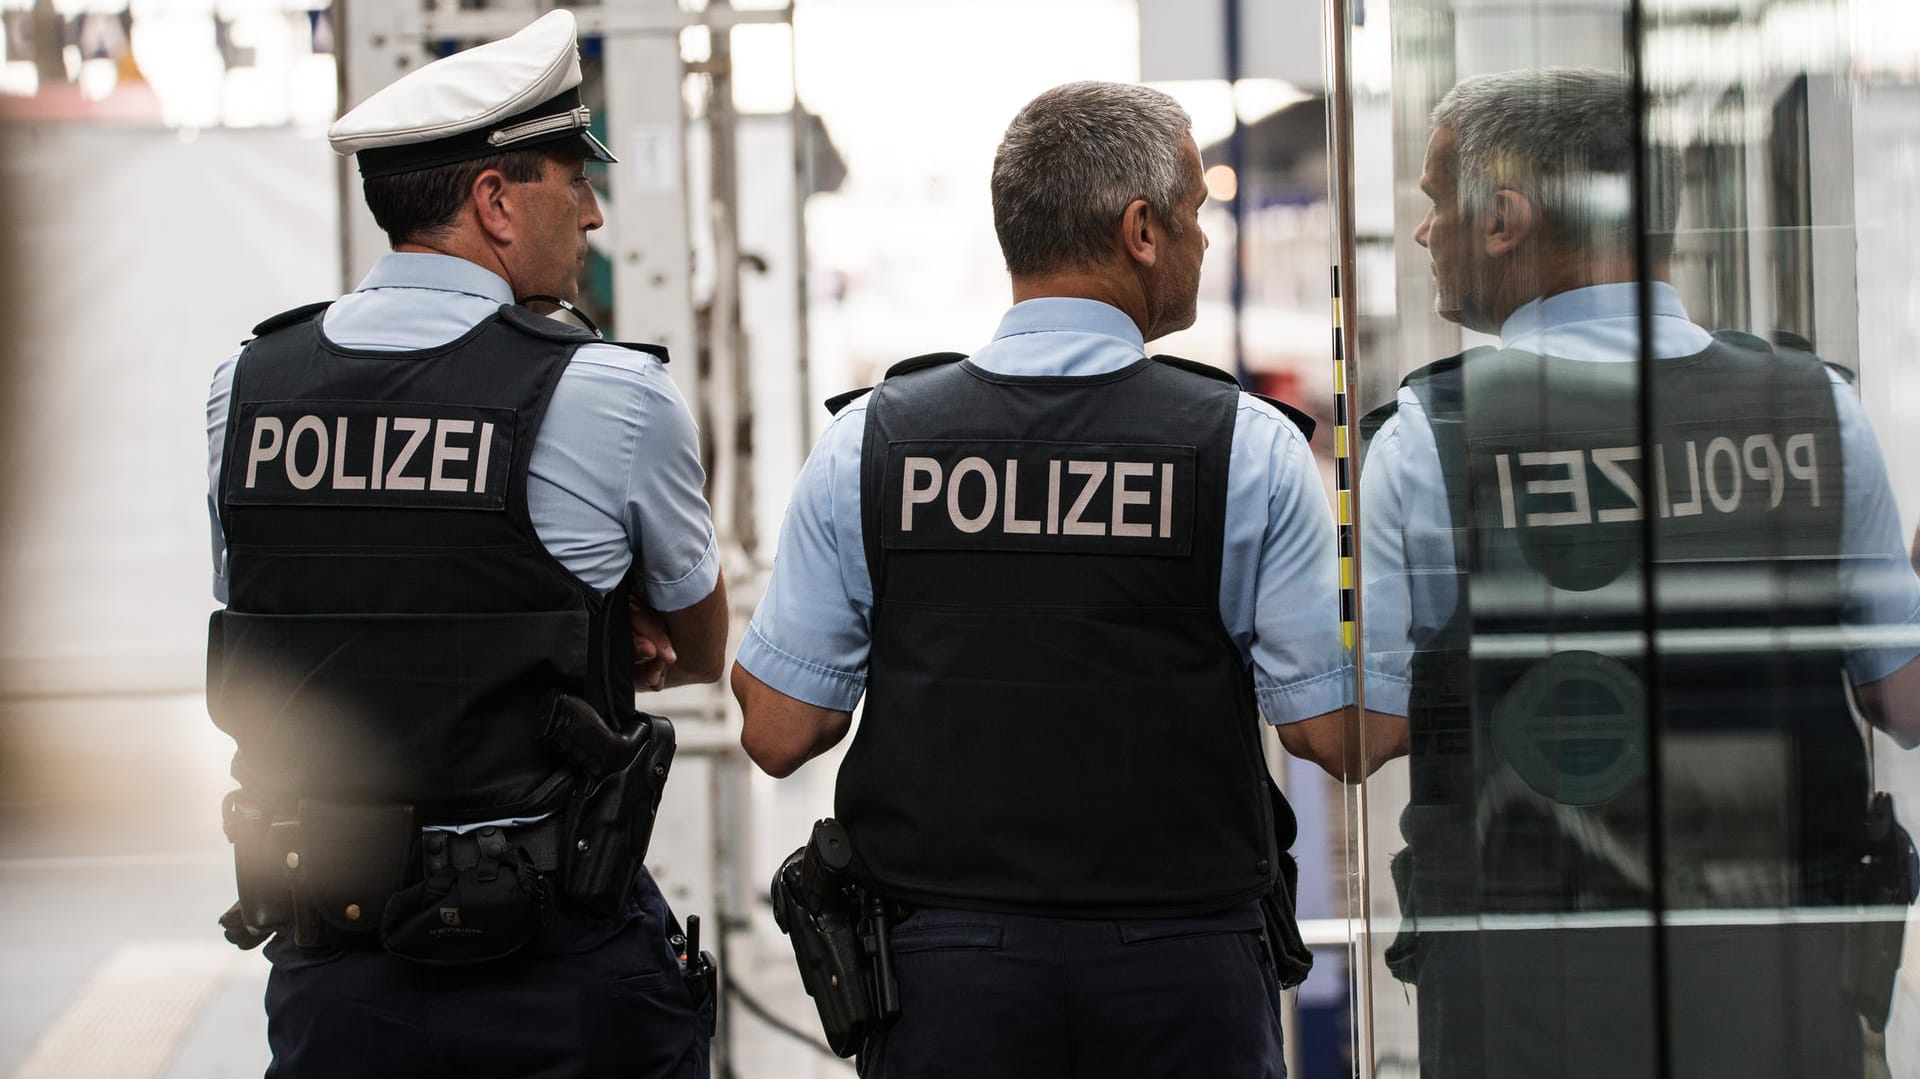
[[488, 197], [1509, 222], [1140, 233]]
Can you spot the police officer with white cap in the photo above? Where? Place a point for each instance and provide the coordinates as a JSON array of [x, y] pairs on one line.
[[1067, 577], [452, 538], [1507, 502]]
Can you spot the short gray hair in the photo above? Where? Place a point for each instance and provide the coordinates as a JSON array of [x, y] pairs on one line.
[[1563, 136], [1073, 160]]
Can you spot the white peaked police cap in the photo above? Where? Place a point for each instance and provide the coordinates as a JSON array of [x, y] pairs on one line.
[[517, 93]]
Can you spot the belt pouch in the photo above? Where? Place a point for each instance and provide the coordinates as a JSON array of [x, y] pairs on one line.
[[482, 899], [259, 865], [344, 863]]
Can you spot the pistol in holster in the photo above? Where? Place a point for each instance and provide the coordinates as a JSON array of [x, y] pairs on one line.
[[1279, 907], [841, 938], [622, 776]]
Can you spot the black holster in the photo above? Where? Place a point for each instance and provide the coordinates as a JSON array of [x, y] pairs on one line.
[[1279, 908], [610, 817], [1887, 877], [840, 939]]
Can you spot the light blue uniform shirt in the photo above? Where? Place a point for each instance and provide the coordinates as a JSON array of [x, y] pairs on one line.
[[1407, 556], [616, 472], [1279, 578]]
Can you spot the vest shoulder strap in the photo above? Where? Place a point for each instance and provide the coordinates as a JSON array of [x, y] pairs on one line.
[[547, 329], [290, 318], [921, 363], [1786, 345], [1196, 368], [917, 363], [1300, 418]]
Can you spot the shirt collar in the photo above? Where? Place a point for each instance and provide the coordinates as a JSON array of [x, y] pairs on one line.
[[442, 273], [1061, 336], [1068, 314], [1595, 302]]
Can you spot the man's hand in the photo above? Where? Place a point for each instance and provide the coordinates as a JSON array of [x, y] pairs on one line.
[[678, 648], [652, 649]]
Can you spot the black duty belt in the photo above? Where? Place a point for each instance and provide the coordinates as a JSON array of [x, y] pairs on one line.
[[542, 842]]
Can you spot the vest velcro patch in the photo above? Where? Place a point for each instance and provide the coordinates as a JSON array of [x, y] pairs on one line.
[[370, 453], [1065, 497]]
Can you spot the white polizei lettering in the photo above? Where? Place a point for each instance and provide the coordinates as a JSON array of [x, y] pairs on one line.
[[1096, 473], [1011, 523], [1769, 468], [1801, 463], [307, 481], [1607, 459], [480, 461], [1122, 498], [443, 454], [268, 433], [379, 452], [1053, 497], [1723, 447], [1691, 507], [341, 480], [969, 466], [1166, 501], [912, 495], [1660, 479], [416, 428], [1574, 484], [1504, 469]]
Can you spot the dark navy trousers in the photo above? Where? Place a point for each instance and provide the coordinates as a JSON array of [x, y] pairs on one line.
[[1015, 997], [589, 998]]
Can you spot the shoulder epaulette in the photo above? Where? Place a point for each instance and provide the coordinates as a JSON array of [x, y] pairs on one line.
[[1299, 416], [917, 363], [658, 352], [290, 318]]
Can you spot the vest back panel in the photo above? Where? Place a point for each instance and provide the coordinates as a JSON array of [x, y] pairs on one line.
[[1056, 720], [394, 623], [1533, 709]]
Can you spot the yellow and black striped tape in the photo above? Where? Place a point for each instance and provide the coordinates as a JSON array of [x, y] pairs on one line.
[[1342, 469]]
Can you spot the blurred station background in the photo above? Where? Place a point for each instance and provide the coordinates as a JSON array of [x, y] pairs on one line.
[[801, 201]]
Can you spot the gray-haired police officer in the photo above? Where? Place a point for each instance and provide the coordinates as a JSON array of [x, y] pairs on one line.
[[1063, 573], [1525, 683], [432, 509]]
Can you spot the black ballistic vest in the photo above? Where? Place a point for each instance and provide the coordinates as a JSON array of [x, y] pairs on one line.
[[1056, 719], [1530, 710], [393, 622]]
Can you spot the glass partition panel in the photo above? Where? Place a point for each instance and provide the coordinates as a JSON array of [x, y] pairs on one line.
[[1634, 292]]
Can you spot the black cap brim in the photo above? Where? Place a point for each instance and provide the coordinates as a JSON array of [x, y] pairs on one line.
[[484, 142]]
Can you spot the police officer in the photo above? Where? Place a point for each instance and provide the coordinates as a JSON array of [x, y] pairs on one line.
[[1530, 698], [1064, 575], [432, 509]]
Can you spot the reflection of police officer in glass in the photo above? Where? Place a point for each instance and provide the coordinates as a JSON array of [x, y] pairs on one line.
[[1505, 504], [1062, 573], [434, 508]]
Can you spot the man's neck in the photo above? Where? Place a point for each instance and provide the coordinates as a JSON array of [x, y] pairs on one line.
[[1565, 274], [1115, 290]]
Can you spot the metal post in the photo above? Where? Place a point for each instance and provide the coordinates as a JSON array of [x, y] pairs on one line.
[[1337, 21]]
